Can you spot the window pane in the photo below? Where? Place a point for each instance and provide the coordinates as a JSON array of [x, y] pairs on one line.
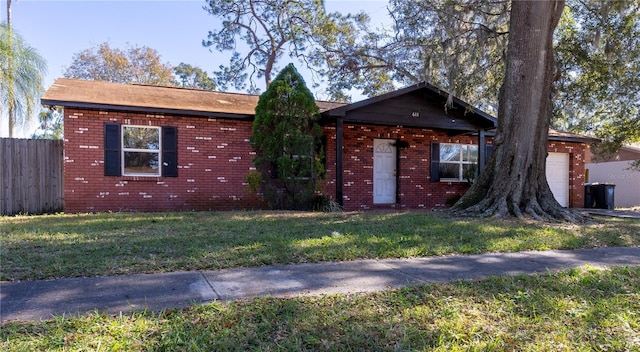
[[449, 152], [470, 153], [141, 163], [141, 138], [449, 171], [469, 172]]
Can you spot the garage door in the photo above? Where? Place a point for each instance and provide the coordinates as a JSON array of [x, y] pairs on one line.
[[558, 176]]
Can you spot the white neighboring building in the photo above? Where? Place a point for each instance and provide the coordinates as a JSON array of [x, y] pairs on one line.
[[617, 170]]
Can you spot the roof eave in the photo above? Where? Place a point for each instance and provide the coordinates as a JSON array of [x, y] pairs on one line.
[[574, 138], [146, 109], [585, 139]]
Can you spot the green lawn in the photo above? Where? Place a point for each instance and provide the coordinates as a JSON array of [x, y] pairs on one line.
[[575, 310], [66, 245]]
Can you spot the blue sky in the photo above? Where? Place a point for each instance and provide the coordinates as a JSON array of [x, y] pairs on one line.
[[58, 29]]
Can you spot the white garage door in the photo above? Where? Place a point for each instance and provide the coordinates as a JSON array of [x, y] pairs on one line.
[[558, 176]]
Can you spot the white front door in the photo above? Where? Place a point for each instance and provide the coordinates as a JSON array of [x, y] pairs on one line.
[[384, 171], [558, 176]]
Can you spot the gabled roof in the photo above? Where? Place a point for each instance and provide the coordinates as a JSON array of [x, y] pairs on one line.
[[155, 99], [340, 111], [412, 97]]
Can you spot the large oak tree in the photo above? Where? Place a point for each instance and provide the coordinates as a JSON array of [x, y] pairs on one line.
[[514, 179]]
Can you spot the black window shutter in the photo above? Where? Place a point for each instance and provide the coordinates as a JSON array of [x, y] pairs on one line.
[[112, 149], [169, 151], [435, 162]]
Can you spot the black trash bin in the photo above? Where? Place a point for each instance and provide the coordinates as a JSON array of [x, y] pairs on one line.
[[603, 194], [589, 201]]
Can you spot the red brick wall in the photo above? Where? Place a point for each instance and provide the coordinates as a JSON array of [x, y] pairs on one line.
[[214, 157], [577, 154], [415, 188]]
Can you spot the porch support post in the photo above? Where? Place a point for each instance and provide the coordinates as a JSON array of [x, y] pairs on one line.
[[339, 136], [481, 151]]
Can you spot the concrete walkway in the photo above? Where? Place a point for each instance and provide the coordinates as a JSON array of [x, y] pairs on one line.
[[37, 300], [617, 213]]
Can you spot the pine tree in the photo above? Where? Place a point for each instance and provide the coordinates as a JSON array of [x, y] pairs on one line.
[[287, 140]]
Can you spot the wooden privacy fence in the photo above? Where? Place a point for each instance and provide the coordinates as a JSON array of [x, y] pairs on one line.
[[31, 176]]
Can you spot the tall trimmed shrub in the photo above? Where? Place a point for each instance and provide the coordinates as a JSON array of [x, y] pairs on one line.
[[287, 140]]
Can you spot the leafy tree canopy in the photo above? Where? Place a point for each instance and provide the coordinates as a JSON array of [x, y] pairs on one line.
[[269, 29], [51, 123], [286, 137], [598, 53], [134, 64], [188, 76], [460, 45], [141, 65]]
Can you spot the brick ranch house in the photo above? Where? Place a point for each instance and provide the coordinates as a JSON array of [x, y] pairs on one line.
[[148, 148]]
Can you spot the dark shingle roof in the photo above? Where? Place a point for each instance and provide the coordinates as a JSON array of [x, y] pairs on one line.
[[136, 97], [175, 100]]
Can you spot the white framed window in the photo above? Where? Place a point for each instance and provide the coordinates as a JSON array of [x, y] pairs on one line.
[[458, 162], [141, 155]]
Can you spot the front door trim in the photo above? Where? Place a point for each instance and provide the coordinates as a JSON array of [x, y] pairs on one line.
[[384, 171]]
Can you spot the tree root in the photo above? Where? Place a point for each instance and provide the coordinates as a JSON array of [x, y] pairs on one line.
[[499, 207]]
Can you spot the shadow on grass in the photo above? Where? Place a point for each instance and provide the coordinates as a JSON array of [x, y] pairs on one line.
[[42, 247], [570, 310]]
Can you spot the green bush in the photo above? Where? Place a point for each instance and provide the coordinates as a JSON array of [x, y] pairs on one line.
[[287, 139]]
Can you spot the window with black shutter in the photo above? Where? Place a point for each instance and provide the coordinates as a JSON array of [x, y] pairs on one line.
[[144, 151]]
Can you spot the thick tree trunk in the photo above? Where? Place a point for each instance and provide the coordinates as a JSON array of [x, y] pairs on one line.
[[514, 180]]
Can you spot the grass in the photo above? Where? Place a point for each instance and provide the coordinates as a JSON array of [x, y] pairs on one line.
[[576, 310], [67, 245]]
